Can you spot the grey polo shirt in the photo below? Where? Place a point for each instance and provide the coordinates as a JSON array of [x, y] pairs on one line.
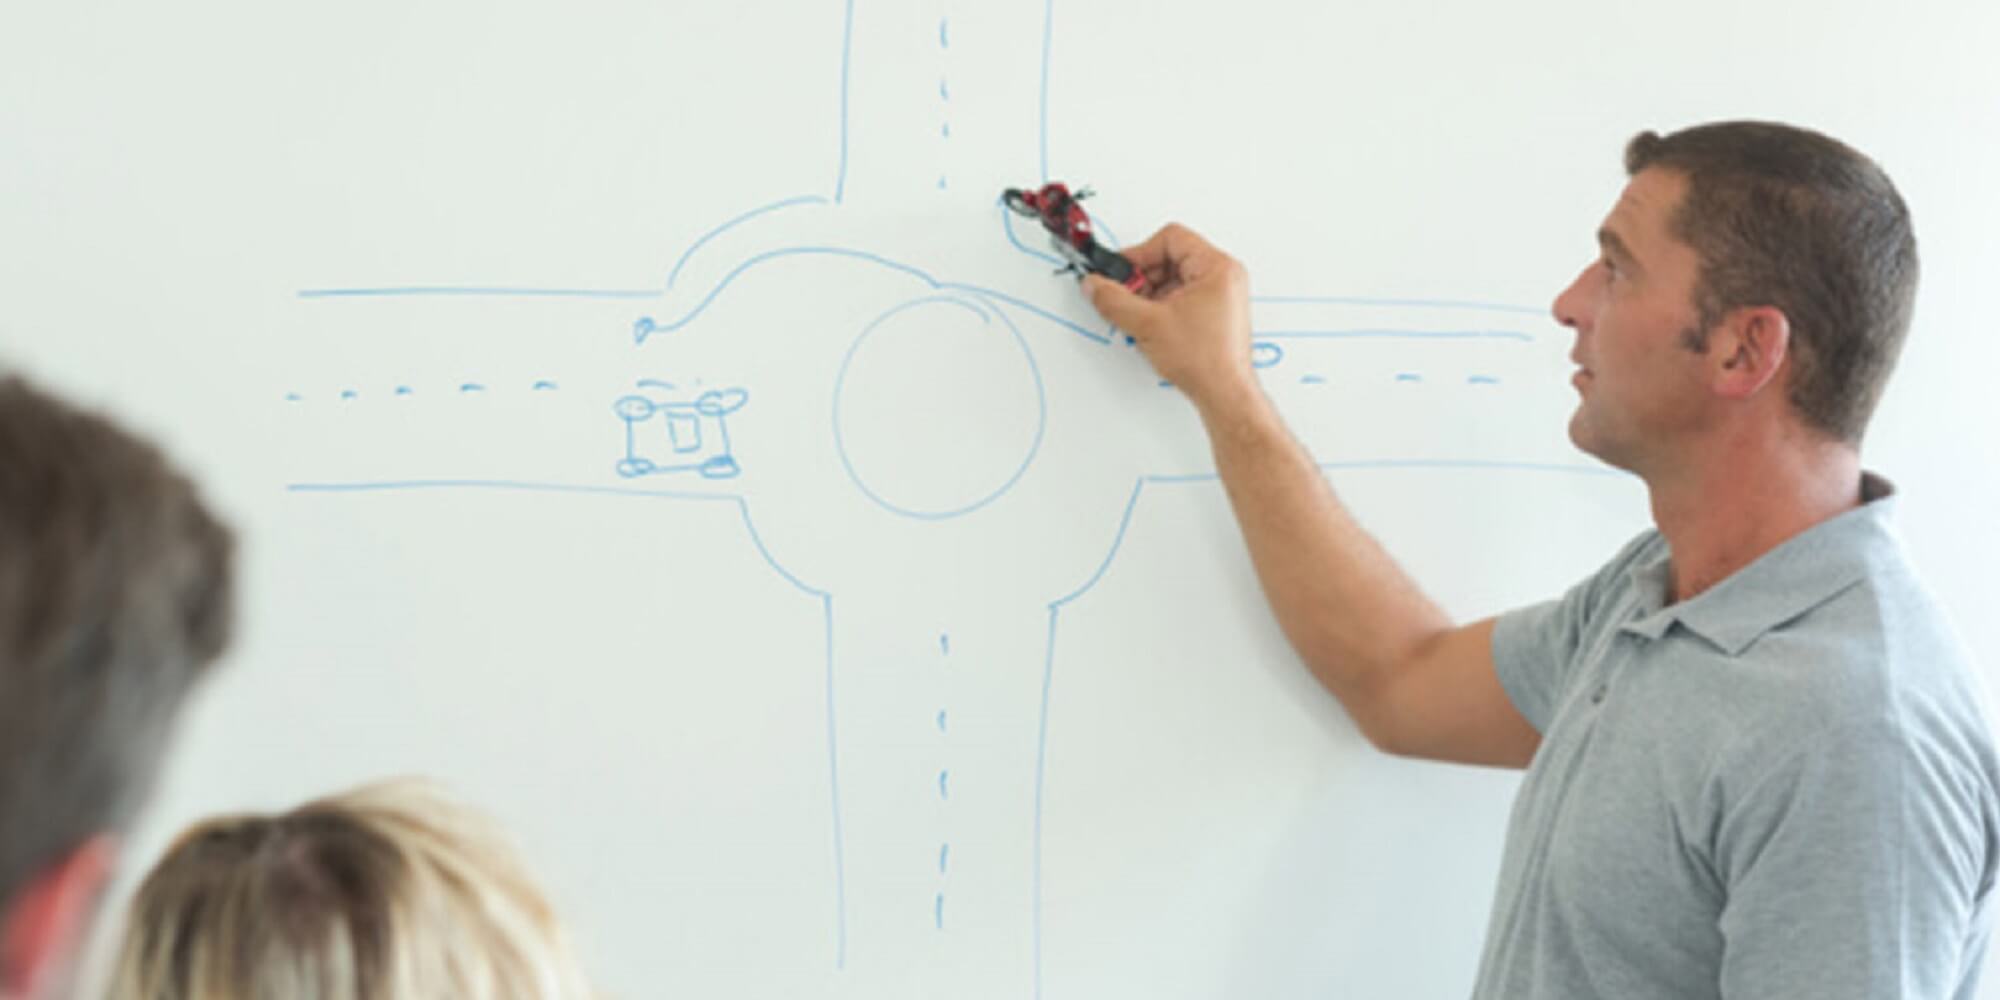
[[1783, 787]]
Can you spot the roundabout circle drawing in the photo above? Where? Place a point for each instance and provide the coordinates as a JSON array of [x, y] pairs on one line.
[[919, 381]]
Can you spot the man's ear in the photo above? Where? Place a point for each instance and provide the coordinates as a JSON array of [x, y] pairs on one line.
[[1748, 349], [44, 923]]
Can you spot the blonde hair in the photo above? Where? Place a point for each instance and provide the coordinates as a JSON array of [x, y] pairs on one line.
[[387, 892]]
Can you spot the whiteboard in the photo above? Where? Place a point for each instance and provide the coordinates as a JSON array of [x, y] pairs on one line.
[[643, 418]]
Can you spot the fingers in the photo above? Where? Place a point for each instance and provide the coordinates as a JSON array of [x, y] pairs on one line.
[[1116, 303], [1149, 255], [1174, 256], [1184, 244]]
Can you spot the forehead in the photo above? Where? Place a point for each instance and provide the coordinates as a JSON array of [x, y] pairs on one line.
[[1643, 216]]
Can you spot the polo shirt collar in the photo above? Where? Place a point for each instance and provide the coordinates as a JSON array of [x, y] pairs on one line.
[[1802, 573]]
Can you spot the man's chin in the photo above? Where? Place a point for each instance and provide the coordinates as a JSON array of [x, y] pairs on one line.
[[1579, 435], [1624, 461], [1590, 444]]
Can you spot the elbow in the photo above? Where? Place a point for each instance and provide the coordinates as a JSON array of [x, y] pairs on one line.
[[1384, 738], [1372, 685], [1372, 711]]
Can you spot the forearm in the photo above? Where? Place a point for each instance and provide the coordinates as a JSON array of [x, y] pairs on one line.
[[1351, 613], [1415, 685]]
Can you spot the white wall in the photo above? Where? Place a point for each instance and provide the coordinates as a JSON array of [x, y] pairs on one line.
[[709, 708]]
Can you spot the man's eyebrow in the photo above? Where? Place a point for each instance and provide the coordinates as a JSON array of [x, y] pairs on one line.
[[1614, 246]]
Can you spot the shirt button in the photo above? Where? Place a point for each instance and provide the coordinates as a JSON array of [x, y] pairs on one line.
[[1597, 696]]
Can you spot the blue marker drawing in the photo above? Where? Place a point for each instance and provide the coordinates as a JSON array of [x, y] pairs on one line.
[[846, 63], [939, 514], [944, 849], [692, 436], [1007, 226], [1409, 377], [1349, 300], [539, 385], [1482, 380], [1057, 606], [832, 752], [674, 275], [667, 432], [647, 327], [824, 599], [475, 291], [1367, 333]]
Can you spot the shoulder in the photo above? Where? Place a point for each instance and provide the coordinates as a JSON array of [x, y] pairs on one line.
[[1880, 648], [1875, 681]]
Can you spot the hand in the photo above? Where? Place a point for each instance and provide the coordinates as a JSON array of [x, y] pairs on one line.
[[1193, 320]]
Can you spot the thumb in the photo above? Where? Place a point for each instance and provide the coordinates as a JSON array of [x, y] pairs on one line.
[[1116, 303]]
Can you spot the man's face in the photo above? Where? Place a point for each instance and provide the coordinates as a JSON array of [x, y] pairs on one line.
[[1633, 311]]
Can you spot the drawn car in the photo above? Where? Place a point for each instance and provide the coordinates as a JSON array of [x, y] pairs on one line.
[[664, 436]]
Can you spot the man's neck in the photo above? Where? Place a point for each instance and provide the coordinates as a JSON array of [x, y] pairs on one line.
[[1744, 497]]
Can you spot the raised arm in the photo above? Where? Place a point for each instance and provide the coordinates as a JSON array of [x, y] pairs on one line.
[[1414, 683]]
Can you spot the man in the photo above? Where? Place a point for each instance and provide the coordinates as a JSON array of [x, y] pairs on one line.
[[115, 594], [1759, 764]]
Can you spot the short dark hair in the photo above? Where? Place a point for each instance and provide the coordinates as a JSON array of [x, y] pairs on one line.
[[115, 594], [1786, 217]]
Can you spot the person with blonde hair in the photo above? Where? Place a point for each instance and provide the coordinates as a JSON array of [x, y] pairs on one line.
[[386, 892]]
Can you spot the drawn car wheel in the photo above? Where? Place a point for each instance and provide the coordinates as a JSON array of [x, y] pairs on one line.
[[634, 408], [721, 402]]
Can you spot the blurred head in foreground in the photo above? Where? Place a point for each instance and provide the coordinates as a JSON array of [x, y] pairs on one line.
[[388, 892]]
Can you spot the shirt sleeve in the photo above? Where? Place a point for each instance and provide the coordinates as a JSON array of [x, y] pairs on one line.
[[1851, 870], [1535, 648]]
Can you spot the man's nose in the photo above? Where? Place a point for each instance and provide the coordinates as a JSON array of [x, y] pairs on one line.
[[1568, 307]]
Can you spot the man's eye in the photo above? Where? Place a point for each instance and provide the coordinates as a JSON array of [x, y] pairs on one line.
[[1609, 266]]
